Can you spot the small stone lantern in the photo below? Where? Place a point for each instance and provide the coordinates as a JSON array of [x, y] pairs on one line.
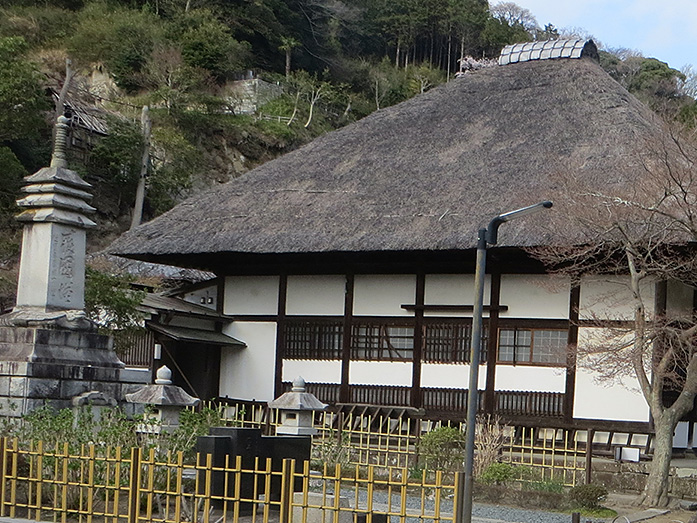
[[167, 401], [296, 410]]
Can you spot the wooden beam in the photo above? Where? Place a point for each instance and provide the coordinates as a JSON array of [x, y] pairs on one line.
[[492, 345], [451, 308], [280, 335], [415, 399], [344, 390], [572, 342]]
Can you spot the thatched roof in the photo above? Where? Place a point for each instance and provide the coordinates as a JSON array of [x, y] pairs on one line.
[[420, 176]]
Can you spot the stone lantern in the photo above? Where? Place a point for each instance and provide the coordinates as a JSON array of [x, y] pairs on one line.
[[166, 401], [296, 410]]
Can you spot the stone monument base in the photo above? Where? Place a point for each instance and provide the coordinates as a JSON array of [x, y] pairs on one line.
[[50, 366]]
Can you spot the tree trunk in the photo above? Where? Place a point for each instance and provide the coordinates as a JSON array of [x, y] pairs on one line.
[[288, 62], [60, 103], [295, 109], [145, 162], [309, 116], [656, 490], [450, 45]]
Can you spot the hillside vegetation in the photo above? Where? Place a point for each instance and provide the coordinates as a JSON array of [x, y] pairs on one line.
[[332, 62]]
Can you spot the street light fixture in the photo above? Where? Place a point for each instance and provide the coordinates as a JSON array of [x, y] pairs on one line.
[[488, 236]]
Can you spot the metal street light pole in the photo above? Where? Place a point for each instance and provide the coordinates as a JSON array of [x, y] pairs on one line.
[[488, 236]]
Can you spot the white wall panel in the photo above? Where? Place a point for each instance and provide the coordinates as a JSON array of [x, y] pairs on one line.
[[251, 295], [380, 373], [450, 376], [383, 295], [621, 401], [452, 289], [316, 295], [537, 379], [609, 297], [612, 396], [249, 373], [209, 295], [312, 371], [535, 296]]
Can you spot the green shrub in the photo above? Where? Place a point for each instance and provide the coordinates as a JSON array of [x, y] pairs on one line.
[[588, 496], [546, 485], [442, 449], [497, 474]]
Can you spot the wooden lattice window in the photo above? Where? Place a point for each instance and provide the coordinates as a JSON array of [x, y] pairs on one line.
[[450, 342], [382, 342], [314, 340]]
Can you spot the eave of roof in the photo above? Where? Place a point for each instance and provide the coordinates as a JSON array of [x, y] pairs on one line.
[[197, 335], [156, 303]]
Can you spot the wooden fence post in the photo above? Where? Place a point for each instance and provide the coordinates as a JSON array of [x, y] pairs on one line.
[[589, 454], [134, 486], [459, 501], [287, 478], [3, 466]]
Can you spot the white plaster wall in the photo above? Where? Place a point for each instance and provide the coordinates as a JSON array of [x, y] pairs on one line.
[[193, 323], [383, 295], [679, 300], [209, 294], [615, 396], [316, 295], [535, 296], [249, 373], [609, 297], [452, 289], [312, 371], [251, 295], [380, 373], [537, 379], [450, 376], [602, 400]]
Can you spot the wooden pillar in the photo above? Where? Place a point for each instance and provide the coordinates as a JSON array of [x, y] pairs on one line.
[[280, 334], [415, 398], [572, 343], [492, 344], [344, 389]]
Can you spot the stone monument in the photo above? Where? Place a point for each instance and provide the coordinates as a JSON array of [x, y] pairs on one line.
[[50, 351]]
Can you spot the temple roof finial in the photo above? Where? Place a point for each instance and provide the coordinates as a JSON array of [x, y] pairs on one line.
[[58, 159]]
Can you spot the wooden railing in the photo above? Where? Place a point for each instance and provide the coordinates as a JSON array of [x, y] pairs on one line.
[[508, 402], [522, 403]]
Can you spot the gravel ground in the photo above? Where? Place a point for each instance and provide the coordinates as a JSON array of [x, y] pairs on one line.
[[481, 512], [519, 515]]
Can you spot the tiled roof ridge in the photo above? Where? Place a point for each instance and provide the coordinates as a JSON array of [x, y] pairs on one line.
[[548, 50]]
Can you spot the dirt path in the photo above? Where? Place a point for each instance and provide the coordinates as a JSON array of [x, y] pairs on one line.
[[622, 503]]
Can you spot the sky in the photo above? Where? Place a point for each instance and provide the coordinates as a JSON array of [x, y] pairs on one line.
[[666, 30]]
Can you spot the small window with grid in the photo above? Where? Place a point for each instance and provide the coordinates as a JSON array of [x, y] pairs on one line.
[[535, 346]]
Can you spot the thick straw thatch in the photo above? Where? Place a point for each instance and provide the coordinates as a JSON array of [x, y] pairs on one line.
[[422, 175]]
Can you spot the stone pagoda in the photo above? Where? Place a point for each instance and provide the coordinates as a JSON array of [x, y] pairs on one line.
[[50, 351]]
